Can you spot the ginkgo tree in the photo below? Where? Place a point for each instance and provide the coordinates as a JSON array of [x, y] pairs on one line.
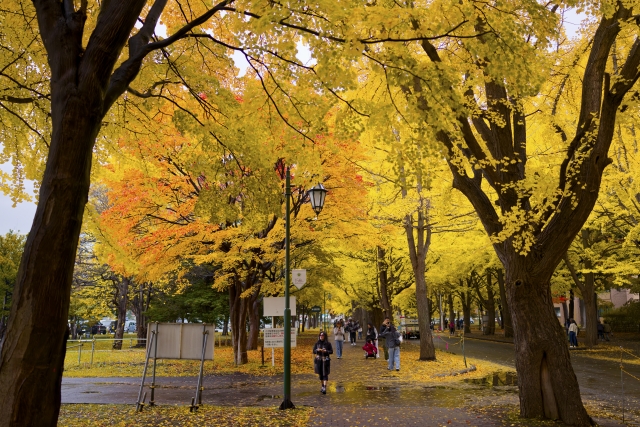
[[492, 95]]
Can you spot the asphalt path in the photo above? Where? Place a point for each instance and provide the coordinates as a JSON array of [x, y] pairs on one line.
[[365, 389], [599, 380]]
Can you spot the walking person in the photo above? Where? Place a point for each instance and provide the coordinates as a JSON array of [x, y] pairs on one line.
[[322, 363], [353, 330], [392, 341], [452, 328], [607, 330], [359, 331], [573, 334], [600, 328], [338, 336], [372, 334]]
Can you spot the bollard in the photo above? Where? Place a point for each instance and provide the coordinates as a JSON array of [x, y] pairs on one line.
[[79, 352]]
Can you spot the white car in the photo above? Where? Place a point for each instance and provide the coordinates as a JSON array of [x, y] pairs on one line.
[[130, 327]]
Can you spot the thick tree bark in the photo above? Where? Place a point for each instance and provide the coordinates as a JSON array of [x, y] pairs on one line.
[[507, 325], [418, 248], [225, 327], [83, 89], [121, 300], [548, 387], [452, 313], [139, 305], [238, 316], [254, 321], [547, 383], [466, 300], [490, 327]]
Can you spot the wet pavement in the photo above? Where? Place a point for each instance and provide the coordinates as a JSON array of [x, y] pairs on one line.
[[362, 392]]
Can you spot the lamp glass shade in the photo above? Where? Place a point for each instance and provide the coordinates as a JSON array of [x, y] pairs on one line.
[[316, 196]]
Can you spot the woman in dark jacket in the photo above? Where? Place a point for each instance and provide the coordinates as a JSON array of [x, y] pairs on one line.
[[322, 363]]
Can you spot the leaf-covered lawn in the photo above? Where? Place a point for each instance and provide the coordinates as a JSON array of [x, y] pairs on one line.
[[126, 415], [130, 363]]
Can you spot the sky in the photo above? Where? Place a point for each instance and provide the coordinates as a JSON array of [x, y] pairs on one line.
[[19, 219]]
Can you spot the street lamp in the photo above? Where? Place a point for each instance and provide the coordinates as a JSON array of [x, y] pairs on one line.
[[316, 195]]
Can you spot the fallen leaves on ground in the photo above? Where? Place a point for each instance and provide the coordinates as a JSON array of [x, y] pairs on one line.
[[169, 416], [129, 362], [611, 353], [445, 363]]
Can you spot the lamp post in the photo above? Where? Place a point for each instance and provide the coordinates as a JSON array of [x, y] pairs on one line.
[[325, 314], [316, 196]]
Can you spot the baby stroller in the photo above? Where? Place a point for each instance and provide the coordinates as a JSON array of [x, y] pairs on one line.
[[370, 349]]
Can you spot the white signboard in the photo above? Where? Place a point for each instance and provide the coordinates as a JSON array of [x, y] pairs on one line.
[[299, 278], [181, 340], [274, 306], [274, 337]]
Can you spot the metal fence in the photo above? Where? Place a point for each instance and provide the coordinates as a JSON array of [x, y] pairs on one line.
[[101, 350]]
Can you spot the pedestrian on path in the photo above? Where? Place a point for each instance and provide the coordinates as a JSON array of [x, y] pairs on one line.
[[392, 341], [573, 334], [607, 330], [372, 334], [322, 363], [338, 336]]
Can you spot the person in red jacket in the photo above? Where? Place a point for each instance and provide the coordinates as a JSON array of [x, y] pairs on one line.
[[370, 349]]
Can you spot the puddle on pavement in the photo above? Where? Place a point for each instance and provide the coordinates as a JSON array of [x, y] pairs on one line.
[[497, 379], [268, 397], [357, 393]]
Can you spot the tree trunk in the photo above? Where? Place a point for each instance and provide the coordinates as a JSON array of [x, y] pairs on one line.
[[254, 322], [452, 313], [465, 299], [34, 347], [383, 282], [440, 311], [238, 316], [591, 312], [121, 309], [33, 351], [572, 298], [418, 248], [547, 383], [490, 304], [507, 325], [139, 305], [225, 327]]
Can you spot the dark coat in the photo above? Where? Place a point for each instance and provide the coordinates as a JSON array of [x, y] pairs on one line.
[[322, 358], [390, 334]]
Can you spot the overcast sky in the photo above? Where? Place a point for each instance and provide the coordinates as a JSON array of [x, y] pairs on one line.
[[19, 219]]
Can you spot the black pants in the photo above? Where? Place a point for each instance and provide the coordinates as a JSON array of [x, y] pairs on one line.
[[352, 336]]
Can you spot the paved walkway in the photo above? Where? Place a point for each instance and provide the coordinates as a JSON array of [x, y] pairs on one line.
[[360, 393]]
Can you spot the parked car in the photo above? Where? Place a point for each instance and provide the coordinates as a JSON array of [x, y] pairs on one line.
[[130, 327], [98, 329], [82, 329]]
